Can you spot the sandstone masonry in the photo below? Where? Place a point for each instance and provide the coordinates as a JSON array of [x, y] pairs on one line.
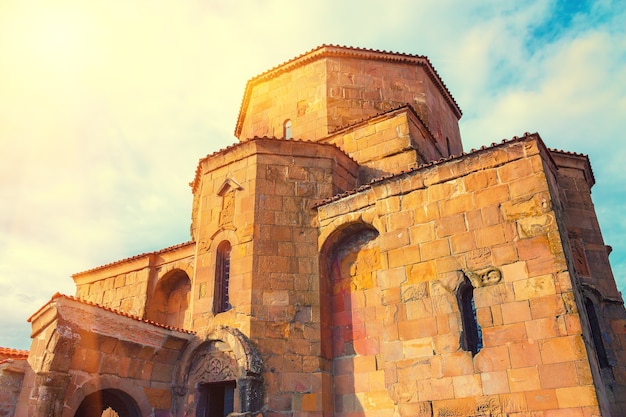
[[347, 258]]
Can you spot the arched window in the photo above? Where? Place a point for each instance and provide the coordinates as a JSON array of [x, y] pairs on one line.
[[472, 335], [596, 334], [221, 301], [287, 129]]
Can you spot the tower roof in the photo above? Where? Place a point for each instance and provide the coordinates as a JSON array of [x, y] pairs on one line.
[[328, 51]]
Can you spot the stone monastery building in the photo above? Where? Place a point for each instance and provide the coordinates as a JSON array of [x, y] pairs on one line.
[[348, 258]]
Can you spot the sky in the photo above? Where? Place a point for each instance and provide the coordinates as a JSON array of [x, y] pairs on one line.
[[106, 106]]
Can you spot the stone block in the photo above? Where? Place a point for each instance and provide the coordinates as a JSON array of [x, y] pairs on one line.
[[579, 396], [403, 256], [524, 379], [562, 349], [524, 354], [528, 186], [534, 287], [456, 205], [435, 389], [492, 359], [499, 335], [491, 196], [480, 180], [515, 312], [544, 399], [415, 329], [496, 382], [513, 403], [462, 242], [461, 407], [450, 225], [159, 398], [519, 208], [377, 400], [416, 348], [467, 386], [558, 375], [543, 328], [504, 254], [434, 249], [421, 272]]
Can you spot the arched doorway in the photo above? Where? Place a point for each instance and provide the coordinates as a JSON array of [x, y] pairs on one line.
[[108, 402]]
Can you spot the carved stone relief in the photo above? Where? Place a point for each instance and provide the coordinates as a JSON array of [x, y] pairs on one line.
[[485, 277]]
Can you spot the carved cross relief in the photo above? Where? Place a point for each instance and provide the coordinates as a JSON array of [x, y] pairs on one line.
[[227, 214]]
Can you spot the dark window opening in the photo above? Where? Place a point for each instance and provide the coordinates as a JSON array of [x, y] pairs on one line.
[[222, 279], [472, 334], [216, 399], [596, 334]]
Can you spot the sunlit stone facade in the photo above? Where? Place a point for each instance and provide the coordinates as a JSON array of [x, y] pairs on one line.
[[347, 258]]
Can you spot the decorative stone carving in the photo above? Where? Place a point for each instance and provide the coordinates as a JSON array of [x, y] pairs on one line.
[[227, 192], [212, 367], [483, 278]]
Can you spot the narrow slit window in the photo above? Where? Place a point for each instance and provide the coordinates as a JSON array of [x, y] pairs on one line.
[[472, 335], [596, 334], [222, 279]]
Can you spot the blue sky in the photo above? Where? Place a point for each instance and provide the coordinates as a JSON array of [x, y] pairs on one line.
[[106, 107]]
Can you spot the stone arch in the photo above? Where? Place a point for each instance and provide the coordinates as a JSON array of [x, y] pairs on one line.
[[234, 358], [170, 300], [349, 265], [131, 394], [341, 236], [329, 232], [108, 402]]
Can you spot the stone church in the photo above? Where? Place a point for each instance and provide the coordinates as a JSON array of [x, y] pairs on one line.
[[348, 258]]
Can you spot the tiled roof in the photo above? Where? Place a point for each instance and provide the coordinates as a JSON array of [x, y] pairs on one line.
[[141, 255], [13, 353], [342, 50], [194, 184], [430, 164], [109, 309]]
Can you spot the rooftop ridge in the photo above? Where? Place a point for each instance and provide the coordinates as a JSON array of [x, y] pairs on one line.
[[194, 184], [13, 353], [342, 50], [58, 295], [138, 256], [384, 178]]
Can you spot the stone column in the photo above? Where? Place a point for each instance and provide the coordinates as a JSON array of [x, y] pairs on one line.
[[48, 393], [250, 393]]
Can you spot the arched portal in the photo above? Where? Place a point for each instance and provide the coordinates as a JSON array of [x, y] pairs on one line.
[[108, 402], [218, 374]]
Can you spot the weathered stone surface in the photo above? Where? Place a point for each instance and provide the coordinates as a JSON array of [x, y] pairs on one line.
[[355, 270]]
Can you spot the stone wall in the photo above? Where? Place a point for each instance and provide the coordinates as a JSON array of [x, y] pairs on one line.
[[130, 284], [600, 305], [330, 88], [488, 211], [273, 233]]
